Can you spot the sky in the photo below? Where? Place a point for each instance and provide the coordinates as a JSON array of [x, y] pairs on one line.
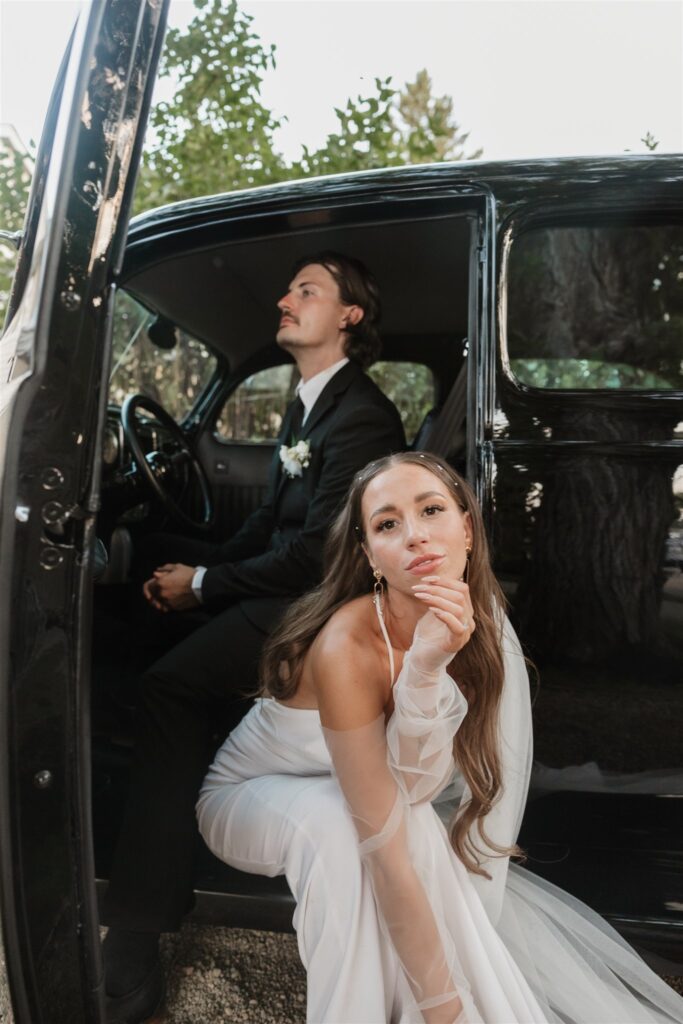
[[528, 78]]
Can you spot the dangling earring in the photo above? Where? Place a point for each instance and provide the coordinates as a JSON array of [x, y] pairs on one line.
[[377, 601], [466, 574]]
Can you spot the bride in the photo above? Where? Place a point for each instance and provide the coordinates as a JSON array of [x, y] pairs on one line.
[[399, 672]]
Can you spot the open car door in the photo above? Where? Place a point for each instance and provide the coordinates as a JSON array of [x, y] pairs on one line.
[[53, 388]]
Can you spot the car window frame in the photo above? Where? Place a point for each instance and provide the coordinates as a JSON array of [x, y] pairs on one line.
[[226, 395], [577, 215], [190, 419]]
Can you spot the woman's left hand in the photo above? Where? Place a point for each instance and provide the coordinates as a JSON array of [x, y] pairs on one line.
[[449, 622]]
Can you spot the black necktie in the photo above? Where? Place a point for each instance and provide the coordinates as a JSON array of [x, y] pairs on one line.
[[296, 421]]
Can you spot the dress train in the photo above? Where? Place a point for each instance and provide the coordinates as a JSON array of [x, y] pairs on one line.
[[346, 816]]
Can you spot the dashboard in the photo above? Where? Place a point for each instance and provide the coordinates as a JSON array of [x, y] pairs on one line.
[[116, 455], [125, 493]]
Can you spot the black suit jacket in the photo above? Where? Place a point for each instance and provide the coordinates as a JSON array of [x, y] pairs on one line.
[[277, 554]]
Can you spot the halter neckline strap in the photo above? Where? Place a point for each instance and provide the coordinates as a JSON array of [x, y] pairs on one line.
[[377, 601]]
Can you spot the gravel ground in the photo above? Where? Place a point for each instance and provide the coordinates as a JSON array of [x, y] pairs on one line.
[[217, 975], [231, 974], [245, 977]]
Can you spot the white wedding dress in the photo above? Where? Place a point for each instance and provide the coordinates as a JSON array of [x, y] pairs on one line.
[[391, 926]]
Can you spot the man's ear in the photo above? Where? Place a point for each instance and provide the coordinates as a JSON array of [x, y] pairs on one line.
[[352, 315]]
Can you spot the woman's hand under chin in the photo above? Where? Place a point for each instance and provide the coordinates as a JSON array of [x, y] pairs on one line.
[[449, 622]]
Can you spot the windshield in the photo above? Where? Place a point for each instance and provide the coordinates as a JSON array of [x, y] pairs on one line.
[[152, 357]]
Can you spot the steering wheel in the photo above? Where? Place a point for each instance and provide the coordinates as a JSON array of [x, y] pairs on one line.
[[158, 469]]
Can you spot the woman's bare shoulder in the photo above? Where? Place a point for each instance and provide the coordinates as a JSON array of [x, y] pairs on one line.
[[347, 633], [346, 666]]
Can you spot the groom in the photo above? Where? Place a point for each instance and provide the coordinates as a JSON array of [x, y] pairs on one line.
[[341, 420]]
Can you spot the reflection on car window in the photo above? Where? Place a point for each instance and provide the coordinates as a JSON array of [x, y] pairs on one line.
[[597, 307], [173, 376], [255, 410], [410, 386]]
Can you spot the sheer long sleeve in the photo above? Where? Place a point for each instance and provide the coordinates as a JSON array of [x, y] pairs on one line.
[[383, 773], [515, 739], [428, 710]]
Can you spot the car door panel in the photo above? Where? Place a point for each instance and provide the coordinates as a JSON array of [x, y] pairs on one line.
[[54, 356], [238, 474]]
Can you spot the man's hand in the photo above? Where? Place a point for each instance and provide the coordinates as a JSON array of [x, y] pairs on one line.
[[170, 588]]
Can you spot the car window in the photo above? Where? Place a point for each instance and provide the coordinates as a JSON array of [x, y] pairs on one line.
[[154, 358], [411, 388], [254, 411], [598, 307]]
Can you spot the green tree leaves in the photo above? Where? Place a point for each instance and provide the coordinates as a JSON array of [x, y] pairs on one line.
[[215, 134], [16, 168], [425, 125], [365, 138], [389, 128]]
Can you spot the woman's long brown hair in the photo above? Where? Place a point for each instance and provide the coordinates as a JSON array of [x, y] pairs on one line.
[[480, 670]]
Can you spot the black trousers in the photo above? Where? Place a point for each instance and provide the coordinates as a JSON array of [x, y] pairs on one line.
[[182, 698]]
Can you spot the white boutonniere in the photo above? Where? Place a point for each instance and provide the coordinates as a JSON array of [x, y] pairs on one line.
[[295, 459]]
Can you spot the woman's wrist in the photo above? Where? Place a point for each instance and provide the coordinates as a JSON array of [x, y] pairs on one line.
[[428, 658]]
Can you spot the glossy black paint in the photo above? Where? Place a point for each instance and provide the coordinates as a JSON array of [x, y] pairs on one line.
[[586, 513], [540, 185], [51, 416]]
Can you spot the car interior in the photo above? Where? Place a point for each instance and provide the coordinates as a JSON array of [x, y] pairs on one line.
[[208, 293]]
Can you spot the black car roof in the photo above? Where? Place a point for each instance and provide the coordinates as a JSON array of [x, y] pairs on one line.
[[216, 265]]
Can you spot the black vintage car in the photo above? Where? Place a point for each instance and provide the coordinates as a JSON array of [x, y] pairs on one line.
[[533, 336]]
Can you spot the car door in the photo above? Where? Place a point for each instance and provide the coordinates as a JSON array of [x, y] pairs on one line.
[[54, 361], [587, 448]]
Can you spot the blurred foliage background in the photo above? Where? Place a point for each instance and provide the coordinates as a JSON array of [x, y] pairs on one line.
[[216, 135]]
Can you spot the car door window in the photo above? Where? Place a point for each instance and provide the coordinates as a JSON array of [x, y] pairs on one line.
[[255, 410], [597, 307], [411, 388]]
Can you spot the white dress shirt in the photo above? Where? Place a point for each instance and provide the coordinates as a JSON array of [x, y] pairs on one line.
[[309, 392]]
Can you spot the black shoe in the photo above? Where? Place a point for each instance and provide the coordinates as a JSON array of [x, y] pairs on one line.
[[133, 978], [141, 1003]]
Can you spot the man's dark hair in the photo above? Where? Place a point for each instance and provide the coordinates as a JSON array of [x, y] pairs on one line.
[[357, 287]]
